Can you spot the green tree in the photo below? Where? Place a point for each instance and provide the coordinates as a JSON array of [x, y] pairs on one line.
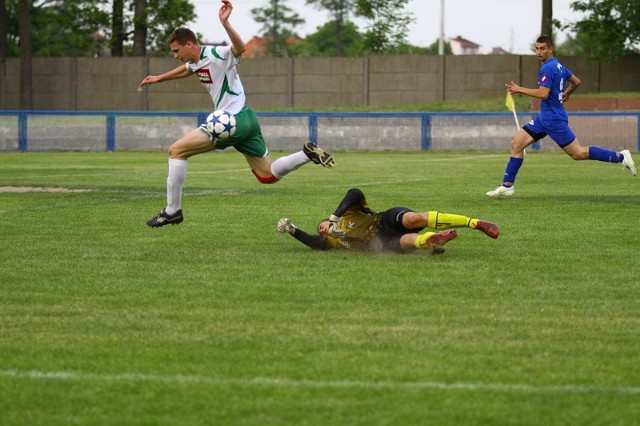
[[163, 16], [339, 10], [387, 24], [432, 49], [575, 45], [4, 29], [278, 22], [26, 71], [132, 31], [117, 28], [323, 42], [86, 27], [140, 28], [546, 26], [69, 28], [611, 27], [59, 28]]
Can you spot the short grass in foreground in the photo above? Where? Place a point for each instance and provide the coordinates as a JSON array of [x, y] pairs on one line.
[[221, 320]]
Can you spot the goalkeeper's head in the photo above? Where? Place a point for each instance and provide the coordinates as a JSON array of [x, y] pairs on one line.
[[323, 227]]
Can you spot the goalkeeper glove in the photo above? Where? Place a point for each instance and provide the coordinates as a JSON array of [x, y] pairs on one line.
[[286, 226], [333, 227]]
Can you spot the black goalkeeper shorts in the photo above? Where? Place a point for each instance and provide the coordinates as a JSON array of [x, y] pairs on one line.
[[390, 228]]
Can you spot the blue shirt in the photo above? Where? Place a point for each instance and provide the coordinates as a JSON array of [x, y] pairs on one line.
[[553, 75]]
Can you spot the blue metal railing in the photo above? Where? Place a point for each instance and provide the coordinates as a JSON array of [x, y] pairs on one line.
[[426, 121]]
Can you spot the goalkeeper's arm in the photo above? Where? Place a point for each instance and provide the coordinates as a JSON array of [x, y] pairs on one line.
[[316, 242], [354, 197]]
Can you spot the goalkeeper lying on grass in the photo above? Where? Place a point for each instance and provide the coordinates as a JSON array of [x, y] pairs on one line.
[[354, 226]]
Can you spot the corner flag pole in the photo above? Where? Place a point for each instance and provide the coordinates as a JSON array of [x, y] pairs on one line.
[[509, 103]]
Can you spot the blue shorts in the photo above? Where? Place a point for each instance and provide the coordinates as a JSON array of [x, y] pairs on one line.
[[558, 130]]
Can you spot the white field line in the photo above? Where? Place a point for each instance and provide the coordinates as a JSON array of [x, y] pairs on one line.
[[76, 175], [301, 383], [441, 160], [233, 192], [143, 196], [248, 169], [47, 189]]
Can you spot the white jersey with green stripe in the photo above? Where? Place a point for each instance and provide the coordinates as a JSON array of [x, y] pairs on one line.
[[216, 70]]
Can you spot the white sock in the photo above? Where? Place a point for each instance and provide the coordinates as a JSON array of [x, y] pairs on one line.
[[175, 180], [283, 165]]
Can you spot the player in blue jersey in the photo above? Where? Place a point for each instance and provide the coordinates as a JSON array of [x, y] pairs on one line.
[[216, 70], [555, 83]]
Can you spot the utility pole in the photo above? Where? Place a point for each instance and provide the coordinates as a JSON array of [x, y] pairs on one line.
[[441, 39]]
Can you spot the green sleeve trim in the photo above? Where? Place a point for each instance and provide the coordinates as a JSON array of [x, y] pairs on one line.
[[215, 53]]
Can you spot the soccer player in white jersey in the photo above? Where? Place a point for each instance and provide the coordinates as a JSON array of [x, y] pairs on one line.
[[216, 69]]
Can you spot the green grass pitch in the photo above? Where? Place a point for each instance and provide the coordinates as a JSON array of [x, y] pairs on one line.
[[221, 320]]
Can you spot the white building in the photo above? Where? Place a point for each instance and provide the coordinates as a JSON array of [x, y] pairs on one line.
[[462, 46]]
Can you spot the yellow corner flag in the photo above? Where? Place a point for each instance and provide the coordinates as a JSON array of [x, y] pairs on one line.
[[511, 105]]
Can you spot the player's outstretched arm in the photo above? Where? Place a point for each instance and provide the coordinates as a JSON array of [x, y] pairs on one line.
[[315, 242], [178, 72], [540, 93], [237, 44]]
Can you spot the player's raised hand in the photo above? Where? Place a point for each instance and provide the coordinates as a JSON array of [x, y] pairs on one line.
[[225, 10], [512, 87]]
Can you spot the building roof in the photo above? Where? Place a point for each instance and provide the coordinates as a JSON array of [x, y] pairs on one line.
[[499, 51], [464, 42], [256, 46]]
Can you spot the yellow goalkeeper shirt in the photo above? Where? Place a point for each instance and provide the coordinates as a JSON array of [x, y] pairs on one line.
[[360, 226]]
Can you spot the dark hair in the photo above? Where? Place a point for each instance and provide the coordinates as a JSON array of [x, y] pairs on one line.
[[182, 36], [545, 39]]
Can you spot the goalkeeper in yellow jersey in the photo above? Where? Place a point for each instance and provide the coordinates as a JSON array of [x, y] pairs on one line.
[[354, 226]]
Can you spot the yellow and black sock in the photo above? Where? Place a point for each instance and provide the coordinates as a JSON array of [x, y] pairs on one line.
[[438, 220], [421, 241]]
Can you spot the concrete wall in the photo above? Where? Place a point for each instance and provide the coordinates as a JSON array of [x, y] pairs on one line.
[[301, 83]]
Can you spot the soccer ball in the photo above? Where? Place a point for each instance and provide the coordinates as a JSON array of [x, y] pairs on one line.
[[221, 124]]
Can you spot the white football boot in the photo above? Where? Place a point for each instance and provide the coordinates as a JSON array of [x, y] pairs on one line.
[[628, 163], [501, 192]]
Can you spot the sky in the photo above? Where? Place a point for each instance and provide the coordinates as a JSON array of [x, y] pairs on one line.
[[510, 24]]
